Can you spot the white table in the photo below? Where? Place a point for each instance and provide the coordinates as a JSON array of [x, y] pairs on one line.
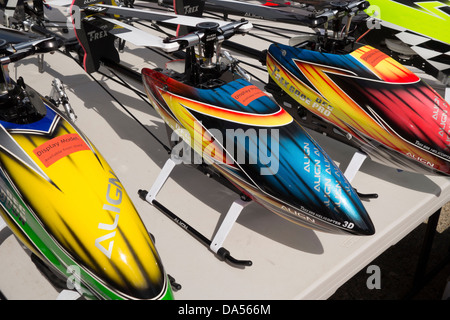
[[289, 262]]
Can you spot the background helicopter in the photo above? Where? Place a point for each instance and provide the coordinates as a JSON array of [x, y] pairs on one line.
[[424, 45]]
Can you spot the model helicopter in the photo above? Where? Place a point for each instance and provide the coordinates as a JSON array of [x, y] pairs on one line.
[[98, 245], [354, 93], [388, 25], [412, 32], [209, 104]]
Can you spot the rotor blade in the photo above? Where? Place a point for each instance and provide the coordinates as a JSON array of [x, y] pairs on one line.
[[138, 37], [286, 13], [59, 3], [155, 16]]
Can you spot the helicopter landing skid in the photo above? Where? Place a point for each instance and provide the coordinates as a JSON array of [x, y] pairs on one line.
[[2, 224], [215, 245], [354, 165]]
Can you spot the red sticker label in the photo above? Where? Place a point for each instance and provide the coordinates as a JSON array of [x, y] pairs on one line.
[[374, 57], [59, 147], [248, 94]]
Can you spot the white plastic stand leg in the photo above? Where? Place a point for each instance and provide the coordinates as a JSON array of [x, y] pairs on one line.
[[447, 94], [230, 218], [160, 180], [446, 294], [227, 223], [354, 165], [68, 295], [3, 224]]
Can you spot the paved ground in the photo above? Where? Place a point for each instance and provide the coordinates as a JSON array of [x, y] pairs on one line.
[[398, 265]]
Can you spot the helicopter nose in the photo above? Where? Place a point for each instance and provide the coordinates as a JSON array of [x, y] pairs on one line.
[[367, 230], [318, 194], [344, 214], [345, 209], [360, 225]]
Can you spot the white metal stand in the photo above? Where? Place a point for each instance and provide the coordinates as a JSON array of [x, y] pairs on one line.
[[227, 223], [446, 294], [3, 224], [68, 295], [447, 94], [160, 180], [354, 165], [230, 218]]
